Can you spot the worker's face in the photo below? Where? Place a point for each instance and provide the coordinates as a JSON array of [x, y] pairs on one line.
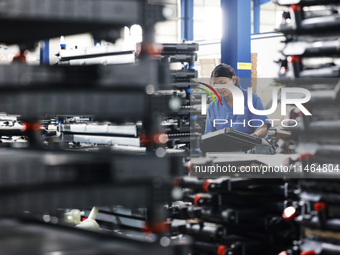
[[222, 80]]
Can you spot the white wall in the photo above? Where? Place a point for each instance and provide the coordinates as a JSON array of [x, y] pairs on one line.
[[207, 20], [270, 16], [267, 47], [167, 32], [170, 31]]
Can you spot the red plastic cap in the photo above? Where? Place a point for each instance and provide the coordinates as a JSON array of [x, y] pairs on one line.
[[320, 206], [221, 250], [306, 156], [176, 182], [159, 227], [289, 213], [32, 126], [197, 198], [19, 58], [189, 167], [283, 253], [160, 138], [206, 185], [151, 49], [294, 59], [296, 7], [311, 252], [143, 139]]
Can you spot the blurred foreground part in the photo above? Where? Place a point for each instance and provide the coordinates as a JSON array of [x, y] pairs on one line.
[[310, 61], [45, 173]]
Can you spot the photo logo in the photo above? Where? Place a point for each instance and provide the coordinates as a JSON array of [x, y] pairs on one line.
[[209, 93], [289, 96]]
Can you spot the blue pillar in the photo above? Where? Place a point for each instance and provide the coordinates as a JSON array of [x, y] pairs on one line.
[[45, 53], [235, 44], [256, 10], [187, 24]]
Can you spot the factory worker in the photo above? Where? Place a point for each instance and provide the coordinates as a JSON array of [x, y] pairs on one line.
[[225, 74]]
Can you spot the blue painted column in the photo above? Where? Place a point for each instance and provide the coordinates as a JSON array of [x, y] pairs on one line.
[[187, 24], [235, 44], [256, 11], [45, 53]]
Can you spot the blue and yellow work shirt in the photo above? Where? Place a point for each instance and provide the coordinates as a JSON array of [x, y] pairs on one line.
[[220, 112]]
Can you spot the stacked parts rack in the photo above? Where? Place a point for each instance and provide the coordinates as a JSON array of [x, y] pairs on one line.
[[40, 181], [311, 54]]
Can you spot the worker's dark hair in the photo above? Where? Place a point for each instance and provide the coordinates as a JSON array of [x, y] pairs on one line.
[[224, 70]]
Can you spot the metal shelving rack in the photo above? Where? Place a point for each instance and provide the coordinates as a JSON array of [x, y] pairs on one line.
[[41, 181]]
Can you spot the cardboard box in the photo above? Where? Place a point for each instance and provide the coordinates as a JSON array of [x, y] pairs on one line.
[[207, 65], [254, 61]]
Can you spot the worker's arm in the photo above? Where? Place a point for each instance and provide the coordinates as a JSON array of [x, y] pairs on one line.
[[209, 123], [260, 132]]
